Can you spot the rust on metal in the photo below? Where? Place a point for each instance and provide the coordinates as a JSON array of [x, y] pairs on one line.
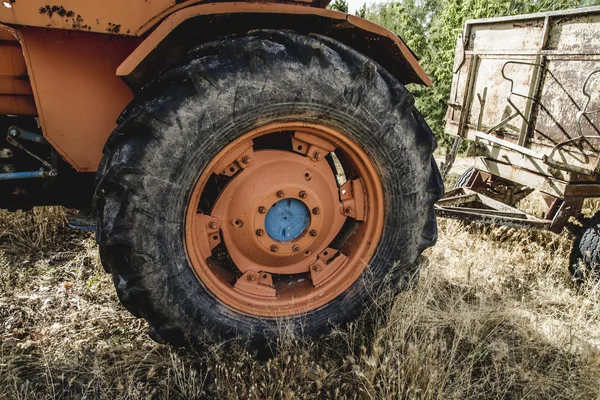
[[303, 272], [537, 75], [467, 205]]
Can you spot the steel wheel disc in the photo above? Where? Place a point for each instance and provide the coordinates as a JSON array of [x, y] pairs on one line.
[[271, 227]]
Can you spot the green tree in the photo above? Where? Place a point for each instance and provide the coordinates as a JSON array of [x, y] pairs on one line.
[[339, 5], [362, 12]]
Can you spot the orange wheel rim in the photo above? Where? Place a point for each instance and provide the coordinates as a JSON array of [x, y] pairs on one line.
[[284, 219]]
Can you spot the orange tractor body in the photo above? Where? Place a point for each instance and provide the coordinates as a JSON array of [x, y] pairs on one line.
[[242, 163], [77, 64]]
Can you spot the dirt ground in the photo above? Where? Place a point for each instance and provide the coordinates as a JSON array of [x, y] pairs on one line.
[[494, 315]]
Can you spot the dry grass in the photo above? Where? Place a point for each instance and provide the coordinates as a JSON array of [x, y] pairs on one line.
[[493, 316]]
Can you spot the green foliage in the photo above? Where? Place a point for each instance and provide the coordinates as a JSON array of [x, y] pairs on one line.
[[339, 5], [430, 28], [362, 12]]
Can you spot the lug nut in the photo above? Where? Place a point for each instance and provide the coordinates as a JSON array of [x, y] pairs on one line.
[[296, 248], [280, 193], [262, 210], [313, 232], [316, 268], [246, 159], [13, 132], [212, 225], [302, 194], [316, 211], [274, 248], [260, 232], [316, 155], [348, 210], [251, 277]]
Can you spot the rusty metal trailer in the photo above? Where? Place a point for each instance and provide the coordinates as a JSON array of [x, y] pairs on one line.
[[526, 93]]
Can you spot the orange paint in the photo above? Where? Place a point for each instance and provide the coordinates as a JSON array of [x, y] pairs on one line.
[[310, 275], [77, 93]]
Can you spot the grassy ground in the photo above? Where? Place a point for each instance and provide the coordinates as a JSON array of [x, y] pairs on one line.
[[493, 316]]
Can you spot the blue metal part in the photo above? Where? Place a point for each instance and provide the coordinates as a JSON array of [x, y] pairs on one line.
[[287, 219], [23, 175], [83, 221], [26, 135]]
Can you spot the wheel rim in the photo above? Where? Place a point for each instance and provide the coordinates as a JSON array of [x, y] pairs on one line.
[[271, 227]]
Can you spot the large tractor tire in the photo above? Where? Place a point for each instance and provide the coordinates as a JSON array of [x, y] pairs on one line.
[[585, 255], [273, 178]]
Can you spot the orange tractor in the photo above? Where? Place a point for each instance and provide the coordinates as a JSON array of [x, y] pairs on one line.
[[242, 163]]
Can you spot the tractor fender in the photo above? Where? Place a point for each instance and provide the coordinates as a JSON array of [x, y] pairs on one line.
[[194, 25]]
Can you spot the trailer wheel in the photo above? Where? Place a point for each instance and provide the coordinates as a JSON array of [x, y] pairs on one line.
[[585, 255], [274, 177], [464, 179]]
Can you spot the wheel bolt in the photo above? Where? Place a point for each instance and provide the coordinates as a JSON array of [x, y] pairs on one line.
[[246, 159], [313, 232], [296, 248], [274, 248], [212, 225], [251, 277], [262, 210], [316, 268], [302, 194], [316, 155], [316, 211], [348, 210], [260, 232], [280, 193]]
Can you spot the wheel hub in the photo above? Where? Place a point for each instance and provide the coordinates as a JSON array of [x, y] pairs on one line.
[[287, 219], [270, 209], [269, 229]]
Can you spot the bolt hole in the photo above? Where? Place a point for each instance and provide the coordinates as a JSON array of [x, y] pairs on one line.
[[307, 252], [231, 169], [299, 147], [265, 276], [325, 253], [215, 238]]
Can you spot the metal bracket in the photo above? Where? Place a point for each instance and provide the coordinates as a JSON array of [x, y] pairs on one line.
[[258, 284], [325, 266], [353, 199], [311, 146], [208, 232], [11, 138], [20, 133], [237, 160]]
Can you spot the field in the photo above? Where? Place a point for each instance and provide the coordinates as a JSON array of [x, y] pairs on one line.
[[494, 315]]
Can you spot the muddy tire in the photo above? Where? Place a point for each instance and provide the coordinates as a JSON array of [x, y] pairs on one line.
[[171, 135], [585, 256]]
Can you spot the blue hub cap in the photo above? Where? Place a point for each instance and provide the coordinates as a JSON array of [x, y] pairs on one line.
[[287, 219]]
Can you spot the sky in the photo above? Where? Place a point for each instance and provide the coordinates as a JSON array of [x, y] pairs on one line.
[[354, 5]]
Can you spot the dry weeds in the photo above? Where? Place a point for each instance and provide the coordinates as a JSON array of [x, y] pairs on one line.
[[493, 316]]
